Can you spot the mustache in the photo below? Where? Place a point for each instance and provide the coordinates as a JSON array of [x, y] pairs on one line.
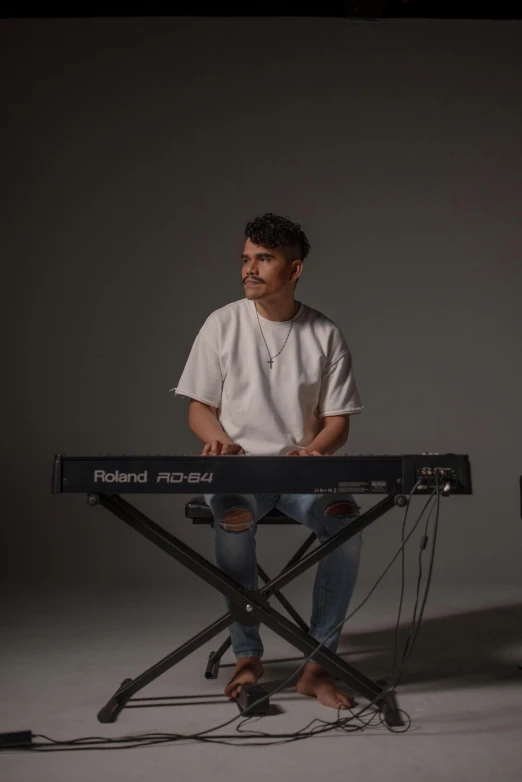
[[251, 277]]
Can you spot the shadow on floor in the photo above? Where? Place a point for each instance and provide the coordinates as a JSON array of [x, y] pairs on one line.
[[462, 649], [485, 645]]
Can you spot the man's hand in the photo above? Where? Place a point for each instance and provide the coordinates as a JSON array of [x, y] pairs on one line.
[[303, 452], [217, 448]]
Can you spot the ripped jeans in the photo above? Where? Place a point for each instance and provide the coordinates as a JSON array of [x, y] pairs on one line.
[[336, 575]]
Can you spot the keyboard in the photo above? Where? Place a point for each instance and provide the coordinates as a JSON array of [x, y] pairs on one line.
[[168, 474]]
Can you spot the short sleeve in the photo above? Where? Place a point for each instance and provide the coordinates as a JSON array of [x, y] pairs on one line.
[[339, 393], [201, 378]]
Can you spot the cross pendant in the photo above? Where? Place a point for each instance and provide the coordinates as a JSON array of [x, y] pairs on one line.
[[270, 362]]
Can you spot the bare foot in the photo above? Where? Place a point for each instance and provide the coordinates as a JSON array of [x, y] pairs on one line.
[[317, 682], [248, 671]]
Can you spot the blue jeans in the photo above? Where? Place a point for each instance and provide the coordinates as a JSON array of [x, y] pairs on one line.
[[336, 573]]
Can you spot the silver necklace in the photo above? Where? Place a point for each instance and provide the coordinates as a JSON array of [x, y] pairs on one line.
[[271, 358]]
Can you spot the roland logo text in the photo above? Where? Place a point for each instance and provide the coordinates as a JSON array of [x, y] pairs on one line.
[[101, 476]]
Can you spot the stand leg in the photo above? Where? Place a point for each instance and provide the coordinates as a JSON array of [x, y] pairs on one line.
[[129, 687], [390, 708], [214, 658]]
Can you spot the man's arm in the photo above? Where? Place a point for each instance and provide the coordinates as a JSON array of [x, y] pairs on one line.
[[332, 436], [203, 422]]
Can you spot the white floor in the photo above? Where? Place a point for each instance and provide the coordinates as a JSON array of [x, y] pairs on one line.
[[63, 654]]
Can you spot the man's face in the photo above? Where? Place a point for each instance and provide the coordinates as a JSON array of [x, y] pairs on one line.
[[267, 273]]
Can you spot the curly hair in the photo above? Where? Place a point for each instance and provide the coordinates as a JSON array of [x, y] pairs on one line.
[[274, 231]]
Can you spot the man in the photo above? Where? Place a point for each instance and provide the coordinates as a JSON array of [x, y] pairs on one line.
[[268, 375]]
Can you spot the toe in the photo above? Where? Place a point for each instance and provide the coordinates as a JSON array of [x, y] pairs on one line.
[[345, 701], [232, 690]]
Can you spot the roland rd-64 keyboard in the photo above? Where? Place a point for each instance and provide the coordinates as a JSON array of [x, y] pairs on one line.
[[385, 474]]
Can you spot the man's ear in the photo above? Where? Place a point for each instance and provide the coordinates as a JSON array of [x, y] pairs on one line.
[[297, 268]]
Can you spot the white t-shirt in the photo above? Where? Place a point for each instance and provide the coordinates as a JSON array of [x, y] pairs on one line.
[[270, 411]]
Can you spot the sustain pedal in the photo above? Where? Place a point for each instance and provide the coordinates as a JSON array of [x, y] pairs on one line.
[[247, 699]]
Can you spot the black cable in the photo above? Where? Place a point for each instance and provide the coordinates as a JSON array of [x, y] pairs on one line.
[[419, 580], [396, 632], [401, 548], [88, 743], [403, 584], [415, 624], [411, 638]]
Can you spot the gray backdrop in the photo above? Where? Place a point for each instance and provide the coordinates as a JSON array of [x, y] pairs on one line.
[[134, 153]]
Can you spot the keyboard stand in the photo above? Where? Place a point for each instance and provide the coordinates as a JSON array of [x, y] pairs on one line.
[[249, 607]]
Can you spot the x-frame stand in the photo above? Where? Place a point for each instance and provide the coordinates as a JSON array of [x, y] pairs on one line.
[[249, 606]]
